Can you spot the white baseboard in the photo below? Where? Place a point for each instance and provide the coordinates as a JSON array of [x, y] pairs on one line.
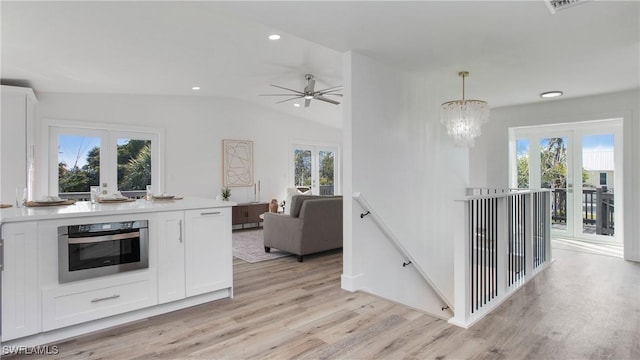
[[352, 282]]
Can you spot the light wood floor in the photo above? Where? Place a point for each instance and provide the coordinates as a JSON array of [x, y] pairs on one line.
[[584, 306]]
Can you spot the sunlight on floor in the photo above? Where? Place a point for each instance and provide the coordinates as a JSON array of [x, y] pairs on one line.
[[588, 247]]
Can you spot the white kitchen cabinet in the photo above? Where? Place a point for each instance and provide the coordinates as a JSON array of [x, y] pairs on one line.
[[16, 124], [84, 301], [190, 263], [171, 243], [208, 251], [20, 288]]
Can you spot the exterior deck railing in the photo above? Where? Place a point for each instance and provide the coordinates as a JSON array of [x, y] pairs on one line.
[[597, 209], [502, 241]]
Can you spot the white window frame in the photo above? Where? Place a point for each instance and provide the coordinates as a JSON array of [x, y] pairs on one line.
[[315, 148], [109, 134]]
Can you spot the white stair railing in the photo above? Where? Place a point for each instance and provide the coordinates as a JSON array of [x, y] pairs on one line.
[[502, 242], [371, 213]]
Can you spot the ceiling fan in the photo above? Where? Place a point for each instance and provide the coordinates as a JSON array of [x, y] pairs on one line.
[[309, 93]]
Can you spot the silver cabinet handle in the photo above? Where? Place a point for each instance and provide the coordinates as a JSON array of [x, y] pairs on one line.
[[114, 296], [1, 254], [210, 213], [180, 234]]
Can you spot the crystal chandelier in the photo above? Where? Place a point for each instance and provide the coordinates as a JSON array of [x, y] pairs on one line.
[[463, 118]]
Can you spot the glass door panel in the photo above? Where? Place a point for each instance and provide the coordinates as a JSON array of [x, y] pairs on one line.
[[326, 159], [597, 207], [522, 163], [553, 175], [302, 163]]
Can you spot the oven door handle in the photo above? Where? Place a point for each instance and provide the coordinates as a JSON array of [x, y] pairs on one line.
[[95, 239]]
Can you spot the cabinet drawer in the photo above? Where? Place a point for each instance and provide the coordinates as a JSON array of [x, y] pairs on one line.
[[61, 310]]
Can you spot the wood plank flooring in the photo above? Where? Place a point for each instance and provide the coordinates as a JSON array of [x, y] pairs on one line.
[[584, 306]]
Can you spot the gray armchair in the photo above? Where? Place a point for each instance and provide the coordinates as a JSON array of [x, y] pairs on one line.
[[314, 224]]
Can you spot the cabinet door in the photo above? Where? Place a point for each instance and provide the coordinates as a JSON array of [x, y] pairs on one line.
[[256, 210], [171, 271], [20, 295], [14, 146], [239, 215], [208, 254]]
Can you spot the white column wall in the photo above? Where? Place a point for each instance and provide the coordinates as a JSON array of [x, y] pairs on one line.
[[194, 128], [490, 158], [398, 156]]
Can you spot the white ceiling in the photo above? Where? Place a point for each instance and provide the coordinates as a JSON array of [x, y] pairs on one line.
[[513, 49]]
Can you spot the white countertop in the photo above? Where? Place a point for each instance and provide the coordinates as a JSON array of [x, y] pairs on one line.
[[86, 208]]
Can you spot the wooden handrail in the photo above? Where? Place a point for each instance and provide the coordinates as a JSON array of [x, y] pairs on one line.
[[398, 245]]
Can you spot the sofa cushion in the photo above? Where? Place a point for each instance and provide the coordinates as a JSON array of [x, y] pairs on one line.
[[296, 203], [298, 200]]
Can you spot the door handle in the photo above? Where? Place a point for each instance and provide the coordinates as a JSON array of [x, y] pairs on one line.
[[180, 228]]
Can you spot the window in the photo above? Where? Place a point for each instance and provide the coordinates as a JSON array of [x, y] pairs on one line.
[[522, 159], [122, 159], [315, 168], [603, 178]]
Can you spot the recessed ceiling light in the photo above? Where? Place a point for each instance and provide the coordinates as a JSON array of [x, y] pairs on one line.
[[274, 37], [551, 94], [296, 105], [195, 88]]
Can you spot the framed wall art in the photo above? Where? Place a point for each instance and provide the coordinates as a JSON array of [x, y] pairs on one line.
[[237, 163]]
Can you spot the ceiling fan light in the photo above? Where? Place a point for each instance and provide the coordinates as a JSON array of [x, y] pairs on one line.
[[551, 94], [308, 97]]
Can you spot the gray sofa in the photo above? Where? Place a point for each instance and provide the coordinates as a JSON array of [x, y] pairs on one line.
[[314, 224]]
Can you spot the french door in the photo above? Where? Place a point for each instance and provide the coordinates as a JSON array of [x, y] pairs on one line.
[[315, 168], [582, 165]]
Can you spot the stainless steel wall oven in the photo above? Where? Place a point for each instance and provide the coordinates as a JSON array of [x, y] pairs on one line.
[[93, 250]]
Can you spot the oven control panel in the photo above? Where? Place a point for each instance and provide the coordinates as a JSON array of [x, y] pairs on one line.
[[102, 227]]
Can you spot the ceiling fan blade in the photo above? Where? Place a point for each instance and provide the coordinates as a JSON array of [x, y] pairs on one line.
[[307, 102], [293, 98], [276, 94], [282, 87], [331, 89], [324, 94], [331, 101]]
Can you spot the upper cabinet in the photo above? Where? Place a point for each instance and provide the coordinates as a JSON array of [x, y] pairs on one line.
[[18, 106]]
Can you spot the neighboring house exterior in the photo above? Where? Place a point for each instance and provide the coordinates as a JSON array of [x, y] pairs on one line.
[[599, 166]]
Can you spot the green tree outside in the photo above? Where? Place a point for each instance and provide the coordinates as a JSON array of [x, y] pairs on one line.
[[302, 163], [553, 166], [134, 169]]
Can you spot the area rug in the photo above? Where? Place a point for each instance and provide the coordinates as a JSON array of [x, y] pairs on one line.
[[248, 246]]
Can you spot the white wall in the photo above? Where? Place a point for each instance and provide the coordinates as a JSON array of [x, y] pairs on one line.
[[194, 128], [490, 159], [398, 156]]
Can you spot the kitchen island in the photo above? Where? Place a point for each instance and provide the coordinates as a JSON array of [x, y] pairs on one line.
[[183, 252]]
